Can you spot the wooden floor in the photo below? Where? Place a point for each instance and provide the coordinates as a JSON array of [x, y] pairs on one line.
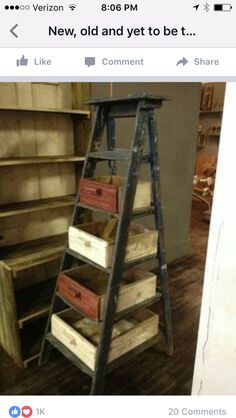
[[152, 372]]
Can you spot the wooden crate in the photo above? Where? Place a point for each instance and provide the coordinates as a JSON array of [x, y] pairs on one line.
[[85, 288], [81, 335], [96, 241], [106, 193]]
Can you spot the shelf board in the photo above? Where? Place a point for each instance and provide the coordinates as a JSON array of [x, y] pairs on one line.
[[146, 303], [84, 114], [68, 304], [136, 213], [5, 162], [108, 269], [119, 154], [111, 366], [34, 301], [30, 254], [86, 260], [14, 209], [34, 314]]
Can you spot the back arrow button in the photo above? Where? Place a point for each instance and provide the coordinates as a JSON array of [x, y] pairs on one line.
[[12, 30]]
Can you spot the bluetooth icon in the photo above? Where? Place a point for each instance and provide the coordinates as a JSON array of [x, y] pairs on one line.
[[206, 7]]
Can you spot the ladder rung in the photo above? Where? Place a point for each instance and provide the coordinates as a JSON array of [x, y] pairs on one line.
[[138, 306], [86, 260], [140, 260], [136, 213], [111, 366], [121, 314], [68, 303], [108, 269], [117, 154]]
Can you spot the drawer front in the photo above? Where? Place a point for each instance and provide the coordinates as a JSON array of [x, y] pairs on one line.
[[103, 196], [79, 296], [91, 249], [74, 341]]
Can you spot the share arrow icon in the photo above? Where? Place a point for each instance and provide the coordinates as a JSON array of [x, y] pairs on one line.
[[183, 61], [196, 7]]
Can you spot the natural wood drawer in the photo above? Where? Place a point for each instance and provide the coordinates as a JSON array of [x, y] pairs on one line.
[[85, 288], [96, 241], [81, 336], [105, 192]]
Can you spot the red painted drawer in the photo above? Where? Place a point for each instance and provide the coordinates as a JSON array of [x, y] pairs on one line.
[[98, 194], [79, 295], [85, 287], [105, 193]]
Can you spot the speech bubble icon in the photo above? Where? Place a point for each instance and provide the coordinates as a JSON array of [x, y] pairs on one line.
[[89, 61]]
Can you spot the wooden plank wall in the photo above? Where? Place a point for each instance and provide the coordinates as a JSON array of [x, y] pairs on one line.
[[38, 134]]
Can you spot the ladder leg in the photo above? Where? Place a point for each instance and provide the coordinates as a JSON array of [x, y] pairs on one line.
[[67, 260], [119, 252], [94, 141], [155, 169], [111, 144], [56, 306]]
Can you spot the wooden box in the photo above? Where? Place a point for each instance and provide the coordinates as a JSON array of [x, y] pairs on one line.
[[96, 241], [81, 335], [106, 192], [85, 288]]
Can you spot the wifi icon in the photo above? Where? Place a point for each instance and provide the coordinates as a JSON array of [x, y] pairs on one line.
[[72, 7]]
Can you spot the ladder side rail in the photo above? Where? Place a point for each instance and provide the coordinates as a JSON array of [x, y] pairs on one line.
[[161, 254], [94, 145], [119, 250], [67, 259], [111, 144]]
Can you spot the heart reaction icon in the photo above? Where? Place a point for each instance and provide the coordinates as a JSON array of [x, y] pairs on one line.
[[26, 411]]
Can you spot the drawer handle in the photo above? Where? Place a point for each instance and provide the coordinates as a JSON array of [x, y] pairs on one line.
[[74, 293], [87, 244], [99, 192], [72, 340]]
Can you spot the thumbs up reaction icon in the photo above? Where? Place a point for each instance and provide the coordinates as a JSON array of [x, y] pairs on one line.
[[22, 61]]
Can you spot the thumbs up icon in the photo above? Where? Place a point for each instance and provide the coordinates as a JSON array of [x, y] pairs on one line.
[[22, 61]]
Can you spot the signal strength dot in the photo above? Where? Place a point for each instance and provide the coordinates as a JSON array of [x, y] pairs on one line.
[[72, 7]]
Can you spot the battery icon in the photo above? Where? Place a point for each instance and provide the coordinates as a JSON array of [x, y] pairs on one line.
[[225, 7]]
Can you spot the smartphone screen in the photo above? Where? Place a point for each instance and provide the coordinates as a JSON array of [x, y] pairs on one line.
[[117, 208]]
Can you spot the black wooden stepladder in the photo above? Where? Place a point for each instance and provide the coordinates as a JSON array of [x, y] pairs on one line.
[[142, 108]]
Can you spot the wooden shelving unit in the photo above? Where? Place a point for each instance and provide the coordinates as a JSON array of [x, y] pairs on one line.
[[41, 155], [210, 116], [27, 273]]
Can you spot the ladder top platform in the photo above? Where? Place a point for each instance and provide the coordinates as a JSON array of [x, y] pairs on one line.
[[149, 99]]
